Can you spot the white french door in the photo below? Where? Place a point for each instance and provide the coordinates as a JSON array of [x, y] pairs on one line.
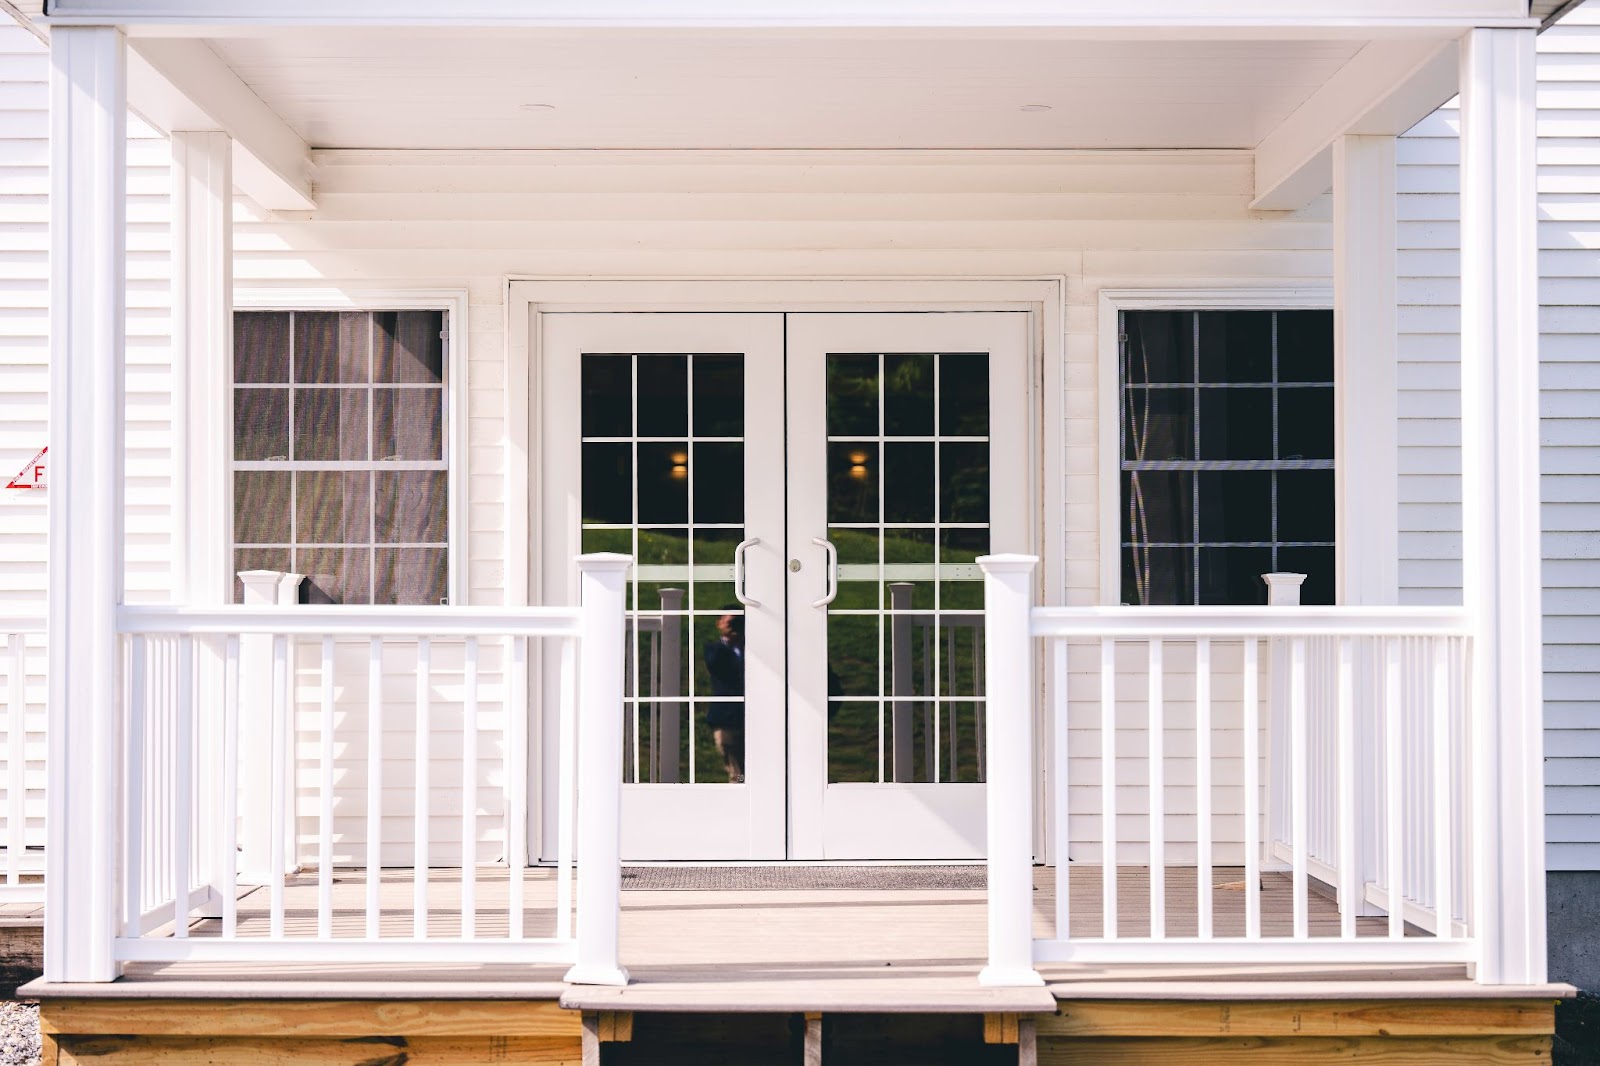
[[804, 496]]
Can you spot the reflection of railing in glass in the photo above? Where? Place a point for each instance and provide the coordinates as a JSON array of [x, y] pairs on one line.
[[904, 627], [664, 682]]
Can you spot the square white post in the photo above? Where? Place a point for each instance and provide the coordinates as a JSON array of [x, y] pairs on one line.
[[599, 844], [257, 690], [1366, 470], [88, 197], [1500, 499], [1008, 708], [202, 371], [202, 349]]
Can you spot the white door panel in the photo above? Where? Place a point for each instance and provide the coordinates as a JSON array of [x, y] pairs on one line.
[[664, 439]]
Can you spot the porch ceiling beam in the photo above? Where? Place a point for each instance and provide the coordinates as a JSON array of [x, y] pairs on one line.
[[1162, 14], [183, 86], [1385, 89]]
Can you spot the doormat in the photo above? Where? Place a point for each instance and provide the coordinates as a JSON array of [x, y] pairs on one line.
[[802, 878]]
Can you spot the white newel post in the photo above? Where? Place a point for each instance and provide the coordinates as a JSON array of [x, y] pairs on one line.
[[599, 843], [1008, 666], [257, 690], [1283, 590], [202, 364], [88, 193], [1500, 499]]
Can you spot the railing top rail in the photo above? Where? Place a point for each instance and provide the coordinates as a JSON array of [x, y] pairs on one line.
[[337, 620], [1144, 623], [21, 623]]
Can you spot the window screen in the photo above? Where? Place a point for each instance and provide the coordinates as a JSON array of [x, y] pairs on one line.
[[340, 469], [1226, 454]]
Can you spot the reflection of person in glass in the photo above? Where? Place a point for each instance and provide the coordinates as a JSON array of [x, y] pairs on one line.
[[725, 663]]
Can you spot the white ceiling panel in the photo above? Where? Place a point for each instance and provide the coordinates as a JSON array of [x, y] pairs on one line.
[[577, 89]]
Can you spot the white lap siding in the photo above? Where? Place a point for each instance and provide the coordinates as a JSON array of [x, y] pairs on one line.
[[24, 364], [1108, 220], [1430, 512]]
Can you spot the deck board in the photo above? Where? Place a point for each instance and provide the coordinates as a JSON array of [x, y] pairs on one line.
[[817, 949]]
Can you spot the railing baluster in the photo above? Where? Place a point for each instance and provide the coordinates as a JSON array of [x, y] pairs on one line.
[[979, 709], [133, 768], [1298, 783], [16, 758], [1060, 679], [930, 719], [1156, 728], [325, 796], [952, 736], [374, 787], [1108, 788], [182, 785], [1392, 786], [230, 788], [424, 756], [516, 771], [1202, 758], [1252, 787], [1443, 889], [278, 761], [1349, 880], [469, 792], [566, 772]]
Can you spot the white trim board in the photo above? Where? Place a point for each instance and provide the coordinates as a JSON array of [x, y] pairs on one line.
[[1108, 408], [1044, 296]]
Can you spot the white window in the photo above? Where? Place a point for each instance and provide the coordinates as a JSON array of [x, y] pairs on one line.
[[1225, 453], [341, 452]]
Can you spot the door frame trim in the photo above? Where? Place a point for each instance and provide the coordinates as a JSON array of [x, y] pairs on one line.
[[526, 297]]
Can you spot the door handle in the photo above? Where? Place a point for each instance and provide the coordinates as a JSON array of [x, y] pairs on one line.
[[833, 571], [738, 571]]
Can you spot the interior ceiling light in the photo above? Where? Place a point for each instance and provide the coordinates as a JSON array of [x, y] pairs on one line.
[[1035, 107]]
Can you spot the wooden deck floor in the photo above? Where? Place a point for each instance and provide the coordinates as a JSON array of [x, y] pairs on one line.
[[830, 949]]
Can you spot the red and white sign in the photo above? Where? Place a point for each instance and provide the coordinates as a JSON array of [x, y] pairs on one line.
[[32, 475]]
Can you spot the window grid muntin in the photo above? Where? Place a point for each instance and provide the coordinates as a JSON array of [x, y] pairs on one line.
[[292, 465], [1274, 466]]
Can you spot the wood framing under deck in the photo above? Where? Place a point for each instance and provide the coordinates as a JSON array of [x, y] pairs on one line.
[[357, 1031]]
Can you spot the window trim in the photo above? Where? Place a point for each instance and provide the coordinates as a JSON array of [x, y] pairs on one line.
[[1108, 404], [454, 304]]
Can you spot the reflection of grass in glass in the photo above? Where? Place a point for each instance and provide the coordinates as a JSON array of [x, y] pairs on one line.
[[852, 741], [660, 547]]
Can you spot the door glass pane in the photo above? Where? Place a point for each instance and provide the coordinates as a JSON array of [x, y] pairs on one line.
[[662, 470], [908, 511]]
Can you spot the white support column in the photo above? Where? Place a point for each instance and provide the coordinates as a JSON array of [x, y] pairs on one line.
[[202, 347], [1365, 429], [1008, 666], [202, 364], [88, 206], [1500, 498], [599, 844]]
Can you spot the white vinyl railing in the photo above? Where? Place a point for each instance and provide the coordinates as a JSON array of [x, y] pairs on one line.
[[223, 707], [22, 661], [1322, 751]]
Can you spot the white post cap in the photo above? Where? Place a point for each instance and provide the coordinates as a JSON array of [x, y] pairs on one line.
[[1283, 590]]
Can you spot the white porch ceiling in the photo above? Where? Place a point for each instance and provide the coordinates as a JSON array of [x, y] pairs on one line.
[[518, 88]]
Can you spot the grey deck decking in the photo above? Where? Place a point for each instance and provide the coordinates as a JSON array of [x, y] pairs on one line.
[[827, 949]]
